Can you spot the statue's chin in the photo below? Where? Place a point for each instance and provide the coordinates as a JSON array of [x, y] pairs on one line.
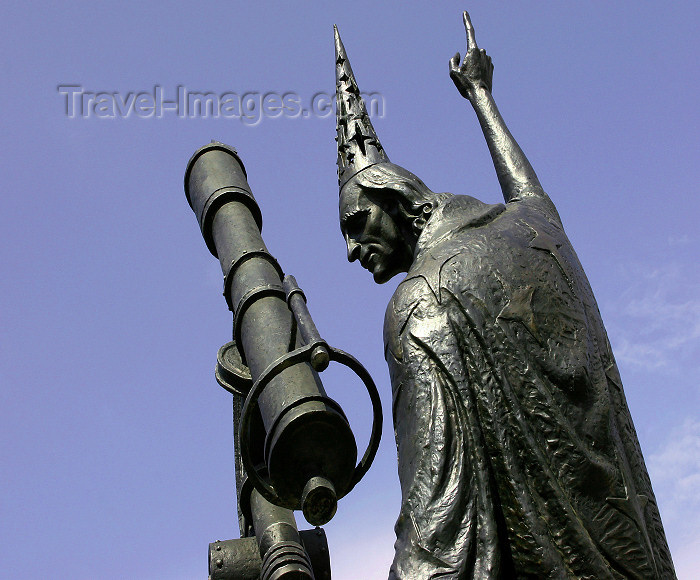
[[382, 276]]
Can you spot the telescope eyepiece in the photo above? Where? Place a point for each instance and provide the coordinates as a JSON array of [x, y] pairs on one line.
[[319, 501]]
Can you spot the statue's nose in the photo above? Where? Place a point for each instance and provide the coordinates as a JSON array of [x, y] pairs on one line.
[[353, 250]]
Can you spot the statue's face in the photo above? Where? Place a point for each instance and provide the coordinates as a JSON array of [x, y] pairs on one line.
[[372, 235]]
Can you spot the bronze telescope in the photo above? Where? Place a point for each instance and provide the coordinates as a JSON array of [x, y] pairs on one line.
[[294, 445]]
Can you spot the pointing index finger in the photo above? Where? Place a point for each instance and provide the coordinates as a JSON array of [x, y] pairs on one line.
[[471, 39]]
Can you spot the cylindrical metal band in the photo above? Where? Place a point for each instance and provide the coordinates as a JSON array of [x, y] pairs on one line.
[[228, 183], [213, 146], [244, 257], [292, 288], [246, 300], [291, 293], [218, 199], [320, 398]]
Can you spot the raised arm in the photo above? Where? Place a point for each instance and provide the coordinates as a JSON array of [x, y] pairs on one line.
[[473, 79]]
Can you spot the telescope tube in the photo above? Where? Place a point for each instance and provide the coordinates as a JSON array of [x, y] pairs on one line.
[[309, 448]]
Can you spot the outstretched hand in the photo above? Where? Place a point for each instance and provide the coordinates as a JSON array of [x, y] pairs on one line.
[[476, 69]]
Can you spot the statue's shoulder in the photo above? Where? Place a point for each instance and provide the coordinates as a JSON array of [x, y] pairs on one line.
[[409, 294], [413, 297], [418, 296], [465, 211], [535, 200]]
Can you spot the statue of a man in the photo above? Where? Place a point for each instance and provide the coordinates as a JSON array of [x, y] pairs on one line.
[[517, 453]]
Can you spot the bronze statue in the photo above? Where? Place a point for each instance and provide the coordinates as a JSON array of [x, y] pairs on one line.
[[517, 453]]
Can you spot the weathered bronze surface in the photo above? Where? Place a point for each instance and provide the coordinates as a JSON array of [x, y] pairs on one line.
[[518, 457], [293, 447], [240, 559]]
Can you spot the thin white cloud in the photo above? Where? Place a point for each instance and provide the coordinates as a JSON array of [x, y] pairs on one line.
[[679, 240], [655, 322], [687, 560], [675, 471]]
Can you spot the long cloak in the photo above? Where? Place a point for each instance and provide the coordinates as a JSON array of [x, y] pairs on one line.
[[517, 453]]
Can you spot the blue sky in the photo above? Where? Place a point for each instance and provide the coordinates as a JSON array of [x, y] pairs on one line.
[[115, 441]]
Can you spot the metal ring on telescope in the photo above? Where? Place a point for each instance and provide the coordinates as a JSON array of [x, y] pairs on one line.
[[297, 356], [354, 365], [218, 199], [246, 300], [235, 264]]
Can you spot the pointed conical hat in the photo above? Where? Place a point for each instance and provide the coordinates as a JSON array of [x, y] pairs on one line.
[[358, 145]]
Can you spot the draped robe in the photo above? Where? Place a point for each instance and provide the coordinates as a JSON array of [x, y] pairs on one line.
[[517, 453]]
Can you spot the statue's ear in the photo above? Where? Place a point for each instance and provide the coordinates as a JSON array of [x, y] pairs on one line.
[[419, 222], [418, 225]]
